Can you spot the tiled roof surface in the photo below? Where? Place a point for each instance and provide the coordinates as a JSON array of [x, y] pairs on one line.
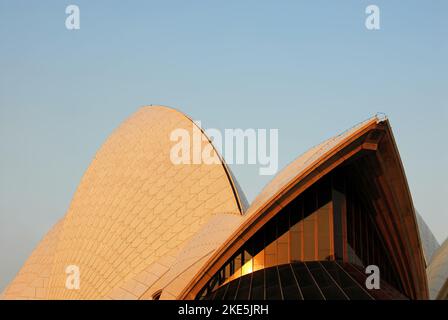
[[133, 210]]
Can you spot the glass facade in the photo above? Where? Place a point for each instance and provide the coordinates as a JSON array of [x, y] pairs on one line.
[[330, 221], [365, 245]]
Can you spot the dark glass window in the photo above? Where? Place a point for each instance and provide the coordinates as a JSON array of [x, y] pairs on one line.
[[324, 232], [364, 242], [309, 234]]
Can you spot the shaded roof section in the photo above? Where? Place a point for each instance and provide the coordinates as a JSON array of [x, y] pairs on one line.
[[429, 241], [133, 209], [438, 273], [242, 196]]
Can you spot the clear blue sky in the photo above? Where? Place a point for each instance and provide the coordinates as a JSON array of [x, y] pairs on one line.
[[309, 68]]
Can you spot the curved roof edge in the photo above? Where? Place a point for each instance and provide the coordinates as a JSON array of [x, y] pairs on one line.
[[238, 192], [293, 172]]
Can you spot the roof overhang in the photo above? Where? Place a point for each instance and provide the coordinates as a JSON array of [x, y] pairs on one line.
[[399, 221]]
